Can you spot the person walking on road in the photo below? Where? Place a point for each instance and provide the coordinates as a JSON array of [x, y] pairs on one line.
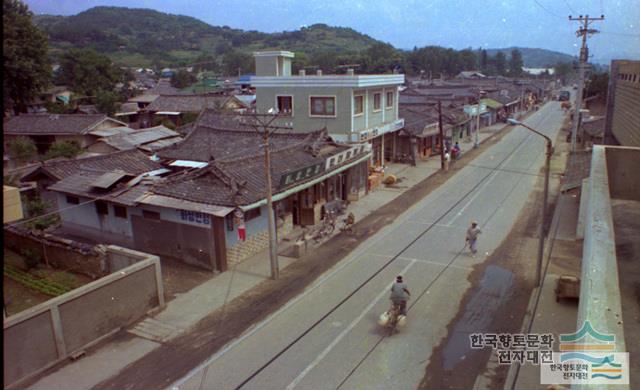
[[472, 237]]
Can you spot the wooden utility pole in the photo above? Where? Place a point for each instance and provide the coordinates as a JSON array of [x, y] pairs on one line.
[[265, 128], [584, 32], [441, 134]]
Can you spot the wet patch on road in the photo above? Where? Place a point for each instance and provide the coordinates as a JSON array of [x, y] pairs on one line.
[[495, 289]]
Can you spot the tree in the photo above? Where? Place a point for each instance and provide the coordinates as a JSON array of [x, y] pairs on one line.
[[22, 148], [598, 84], [107, 102], [235, 61], [381, 58], [515, 63], [562, 70], [182, 79], [501, 63], [484, 61], [68, 149], [87, 72], [26, 67]]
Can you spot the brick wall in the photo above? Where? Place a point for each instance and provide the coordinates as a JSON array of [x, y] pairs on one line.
[[60, 253]]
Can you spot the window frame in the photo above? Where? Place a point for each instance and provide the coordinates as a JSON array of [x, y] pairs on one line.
[[355, 105], [278, 105], [388, 105], [118, 214], [151, 215], [102, 206], [379, 96], [335, 106], [75, 199], [252, 214]]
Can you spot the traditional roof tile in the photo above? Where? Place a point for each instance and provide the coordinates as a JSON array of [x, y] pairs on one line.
[[54, 124]]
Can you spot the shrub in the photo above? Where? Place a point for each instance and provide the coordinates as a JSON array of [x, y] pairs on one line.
[[68, 149], [36, 208], [31, 258], [22, 148]]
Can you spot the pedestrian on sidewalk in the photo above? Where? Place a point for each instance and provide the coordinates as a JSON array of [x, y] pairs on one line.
[[456, 151], [472, 237], [447, 160]]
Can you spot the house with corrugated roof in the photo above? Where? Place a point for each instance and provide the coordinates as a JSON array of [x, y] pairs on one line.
[[148, 140]]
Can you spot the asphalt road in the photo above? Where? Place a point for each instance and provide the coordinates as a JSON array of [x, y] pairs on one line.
[[328, 338]]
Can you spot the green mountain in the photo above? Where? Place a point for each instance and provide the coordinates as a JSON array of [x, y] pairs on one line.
[[138, 37], [536, 58]]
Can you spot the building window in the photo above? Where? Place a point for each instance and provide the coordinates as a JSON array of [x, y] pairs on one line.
[[151, 215], [120, 211], [377, 101], [72, 199], [389, 103], [229, 220], [251, 214], [322, 106], [285, 105], [358, 105], [102, 208]]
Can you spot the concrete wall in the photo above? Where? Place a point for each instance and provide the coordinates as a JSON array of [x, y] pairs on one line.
[[87, 216], [44, 335], [599, 288], [623, 165], [344, 122], [625, 123]]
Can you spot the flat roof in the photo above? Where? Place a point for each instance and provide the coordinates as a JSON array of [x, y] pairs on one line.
[[273, 53], [355, 81]]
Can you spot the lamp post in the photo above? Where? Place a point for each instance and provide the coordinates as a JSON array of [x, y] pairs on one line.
[[549, 152]]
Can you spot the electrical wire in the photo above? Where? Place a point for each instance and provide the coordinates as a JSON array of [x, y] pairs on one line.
[[568, 6], [547, 10]]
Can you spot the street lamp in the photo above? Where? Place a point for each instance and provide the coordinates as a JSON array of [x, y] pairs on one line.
[[546, 193]]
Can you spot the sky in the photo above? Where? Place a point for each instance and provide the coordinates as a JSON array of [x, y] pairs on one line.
[[415, 23]]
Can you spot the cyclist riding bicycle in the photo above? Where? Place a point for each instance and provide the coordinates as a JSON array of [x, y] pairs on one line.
[[400, 294]]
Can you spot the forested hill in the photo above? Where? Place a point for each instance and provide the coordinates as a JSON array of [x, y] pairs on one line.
[[536, 58], [150, 34], [144, 37]]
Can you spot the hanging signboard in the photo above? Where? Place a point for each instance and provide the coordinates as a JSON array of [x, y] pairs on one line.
[[301, 174]]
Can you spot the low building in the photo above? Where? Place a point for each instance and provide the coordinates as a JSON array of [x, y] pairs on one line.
[[197, 202], [177, 107], [45, 129]]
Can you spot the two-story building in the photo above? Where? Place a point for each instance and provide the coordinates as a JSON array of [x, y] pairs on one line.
[[353, 108]]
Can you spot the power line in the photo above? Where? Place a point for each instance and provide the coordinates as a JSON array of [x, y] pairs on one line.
[[621, 34], [568, 6], [549, 12]]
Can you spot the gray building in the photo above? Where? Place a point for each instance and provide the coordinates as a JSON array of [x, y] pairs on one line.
[[622, 124], [353, 108]]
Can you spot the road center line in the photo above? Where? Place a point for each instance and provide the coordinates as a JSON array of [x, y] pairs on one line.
[[348, 329]]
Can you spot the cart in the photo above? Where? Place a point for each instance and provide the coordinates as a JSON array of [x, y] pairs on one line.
[[567, 287]]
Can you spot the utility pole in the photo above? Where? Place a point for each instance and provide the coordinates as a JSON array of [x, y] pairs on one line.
[[584, 31], [264, 128], [441, 134], [477, 143]]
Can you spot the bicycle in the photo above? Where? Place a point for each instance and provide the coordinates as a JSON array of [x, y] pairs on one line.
[[347, 224], [328, 226]]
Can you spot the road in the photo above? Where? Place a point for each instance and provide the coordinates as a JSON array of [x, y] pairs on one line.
[[328, 338]]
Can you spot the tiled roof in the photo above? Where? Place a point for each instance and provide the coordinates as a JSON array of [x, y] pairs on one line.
[[218, 137], [241, 181], [55, 124], [133, 162], [186, 103]]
